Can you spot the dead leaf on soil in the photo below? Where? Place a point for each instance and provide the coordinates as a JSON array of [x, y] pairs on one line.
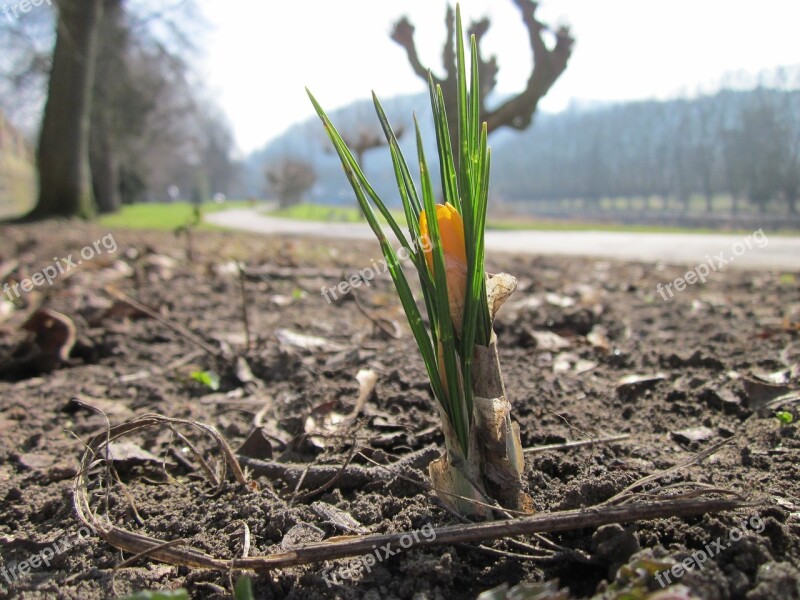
[[568, 362], [129, 453], [282, 300], [291, 340], [598, 338], [340, 360], [300, 535], [760, 395], [559, 300], [630, 385], [37, 461], [55, 334], [257, 445], [243, 372], [693, 435], [525, 304], [160, 267], [338, 518], [549, 341], [323, 420], [790, 356], [774, 378], [51, 337]]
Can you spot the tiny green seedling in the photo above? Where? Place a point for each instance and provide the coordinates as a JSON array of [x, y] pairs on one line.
[[785, 417], [208, 378]]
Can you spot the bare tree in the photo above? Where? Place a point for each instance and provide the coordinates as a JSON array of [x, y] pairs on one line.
[[290, 179], [63, 153], [361, 139], [516, 112], [151, 126]]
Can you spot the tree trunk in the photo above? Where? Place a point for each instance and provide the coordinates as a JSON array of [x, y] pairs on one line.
[[104, 164], [63, 154], [103, 139]]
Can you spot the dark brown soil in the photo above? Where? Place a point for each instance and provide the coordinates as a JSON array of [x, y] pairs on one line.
[[708, 355]]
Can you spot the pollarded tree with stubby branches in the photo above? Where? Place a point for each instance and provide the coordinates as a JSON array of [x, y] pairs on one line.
[[289, 179], [516, 112]]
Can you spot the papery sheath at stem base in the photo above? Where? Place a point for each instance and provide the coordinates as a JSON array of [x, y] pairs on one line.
[[493, 471]]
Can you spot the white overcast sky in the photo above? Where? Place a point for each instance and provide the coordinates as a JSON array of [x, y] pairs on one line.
[[260, 55]]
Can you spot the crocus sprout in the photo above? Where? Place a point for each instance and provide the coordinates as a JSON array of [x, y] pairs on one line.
[[483, 461]]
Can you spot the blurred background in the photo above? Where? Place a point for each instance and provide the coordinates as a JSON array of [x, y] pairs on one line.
[[674, 114]]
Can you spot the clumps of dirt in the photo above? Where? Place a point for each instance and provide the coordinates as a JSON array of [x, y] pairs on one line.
[[588, 349]]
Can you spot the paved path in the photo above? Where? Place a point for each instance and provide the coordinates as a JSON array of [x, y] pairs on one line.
[[759, 251]]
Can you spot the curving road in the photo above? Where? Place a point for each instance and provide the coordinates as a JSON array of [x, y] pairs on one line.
[[757, 251]]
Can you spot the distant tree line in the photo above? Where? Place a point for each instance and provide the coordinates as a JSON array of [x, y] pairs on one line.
[[741, 144]]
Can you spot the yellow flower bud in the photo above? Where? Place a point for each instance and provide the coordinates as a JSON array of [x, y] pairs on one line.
[[451, 233]]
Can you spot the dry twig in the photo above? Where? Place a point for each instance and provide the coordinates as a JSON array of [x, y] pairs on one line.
[[122, 297]]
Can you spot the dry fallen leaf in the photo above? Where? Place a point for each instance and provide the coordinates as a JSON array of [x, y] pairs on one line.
[[130, 453], [548, 341], [598, 338], [759, 394], [300, 535], [628, 386], [559, 300], [309, 343], [338, 518]]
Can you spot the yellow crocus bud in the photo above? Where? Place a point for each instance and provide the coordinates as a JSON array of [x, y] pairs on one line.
[[451, 233]]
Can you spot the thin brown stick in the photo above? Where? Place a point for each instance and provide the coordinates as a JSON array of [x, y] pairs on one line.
[[332, 480], [577, 444], [203, 463], [509, 554], [122, 297], [353, 476], [694, 459], [178, 362], [545, 523]]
